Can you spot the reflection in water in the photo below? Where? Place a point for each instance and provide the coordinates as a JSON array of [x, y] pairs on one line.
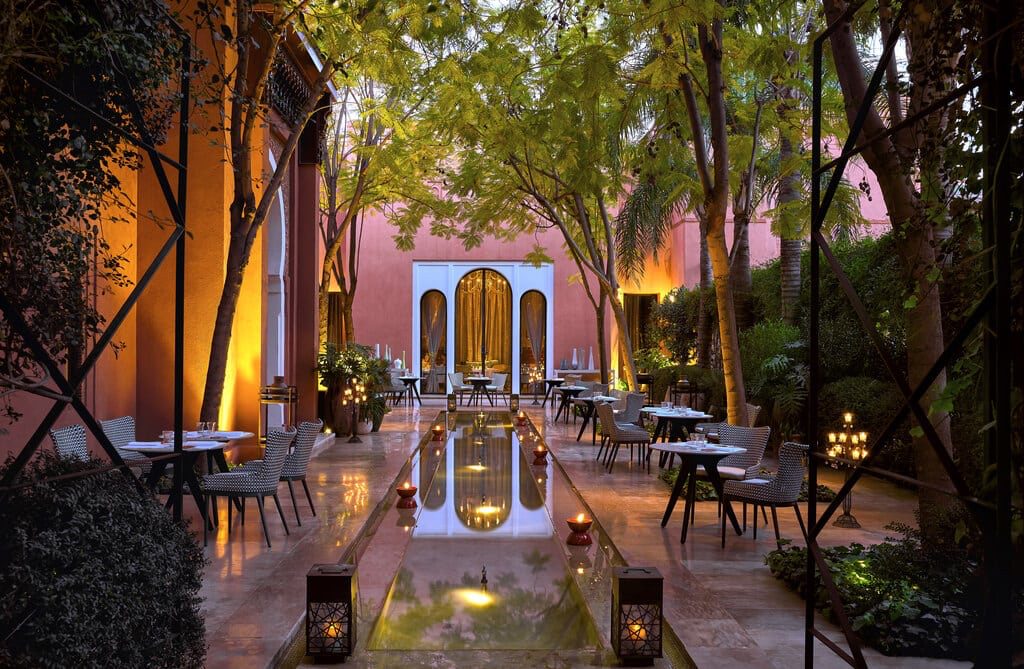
[[485, 569]]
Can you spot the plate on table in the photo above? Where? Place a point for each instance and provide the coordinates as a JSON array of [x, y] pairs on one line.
[[228, 434]]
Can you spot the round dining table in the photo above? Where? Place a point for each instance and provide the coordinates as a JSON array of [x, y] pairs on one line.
[[480, 390], [549, 387], [694, 454]]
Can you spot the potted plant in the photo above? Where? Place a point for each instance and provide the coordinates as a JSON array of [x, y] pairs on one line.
[[338, 368], [377, 379]]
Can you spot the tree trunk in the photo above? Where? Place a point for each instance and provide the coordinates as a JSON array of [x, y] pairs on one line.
[[347, 298], [602, 351], [742, 281], [790, 244], [625, 343], [703, 322], [218, 365], [732, 368]]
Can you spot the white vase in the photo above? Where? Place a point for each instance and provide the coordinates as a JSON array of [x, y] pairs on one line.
[[590, 363], [364, 427]]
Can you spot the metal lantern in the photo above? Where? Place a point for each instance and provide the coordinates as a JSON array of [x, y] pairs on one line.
[[330, 611], [513, 403], [636, 614], [452, 404]]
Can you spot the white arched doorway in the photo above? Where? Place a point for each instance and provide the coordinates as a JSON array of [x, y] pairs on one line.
[[436, 286], [275, 236]]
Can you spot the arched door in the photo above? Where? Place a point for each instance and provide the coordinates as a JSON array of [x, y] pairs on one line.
[[533, 328], [433, 340], [483, 324]]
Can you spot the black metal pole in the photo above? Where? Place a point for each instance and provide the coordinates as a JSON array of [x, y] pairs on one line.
[[996, 648], [179, 283]]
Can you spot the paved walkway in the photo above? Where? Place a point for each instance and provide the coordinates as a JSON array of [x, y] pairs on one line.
[[725, 605]]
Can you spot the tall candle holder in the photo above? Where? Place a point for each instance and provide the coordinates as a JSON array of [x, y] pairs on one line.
[[354, 395], [845, 449]]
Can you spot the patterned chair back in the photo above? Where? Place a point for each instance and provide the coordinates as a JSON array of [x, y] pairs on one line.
[[268, 474], [613, 430], [298, 460], [752, 412], [754, 439], [634, 402], [119, 431], [69, 442], [790, 476], [396, 383]]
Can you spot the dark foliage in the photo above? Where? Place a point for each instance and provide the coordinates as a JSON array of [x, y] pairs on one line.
[[95, 574], [903, 596], [59, 163]]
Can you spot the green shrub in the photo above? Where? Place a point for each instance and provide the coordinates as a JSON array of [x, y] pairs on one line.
[[902, 597], [873, 404], [710, 382], [775, 374], [94, 573]]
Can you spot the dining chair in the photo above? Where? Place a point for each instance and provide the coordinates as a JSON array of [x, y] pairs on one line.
[[498, 385], [69, 442], [746, 465], [297, 462], [630, 413], [458, 384], [260, 482], [121, 432], [782, 489], [618, 434]]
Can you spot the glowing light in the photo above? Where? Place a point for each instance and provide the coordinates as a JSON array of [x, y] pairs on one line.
[[487, 509], [474, 597], [580, 570], [332, 630], [580, 518], [637, 631], [476, 468]]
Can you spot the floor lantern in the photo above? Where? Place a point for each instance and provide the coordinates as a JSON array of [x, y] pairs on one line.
[[513, 402], [453, 405], [636, 614], [330, 612]]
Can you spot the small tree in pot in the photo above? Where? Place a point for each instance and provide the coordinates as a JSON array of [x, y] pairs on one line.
[[342, 366]]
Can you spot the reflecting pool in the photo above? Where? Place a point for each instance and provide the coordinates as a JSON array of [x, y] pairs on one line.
[[484, 566]]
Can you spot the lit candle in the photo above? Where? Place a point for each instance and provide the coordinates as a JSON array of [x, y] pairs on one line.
[[332, 631], [848, 417], [580, 518], [863, 437], [637, 631], [831, 437], [842, 437], [406, 485]]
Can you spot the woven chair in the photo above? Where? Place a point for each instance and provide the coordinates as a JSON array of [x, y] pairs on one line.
[[630, 413], [458, 384], [783, 489], [120, 432], [396, 391], [297, 462], [260, 482], [69, 442], [744, 465], [618, 434], [498, 385], [753, 411]]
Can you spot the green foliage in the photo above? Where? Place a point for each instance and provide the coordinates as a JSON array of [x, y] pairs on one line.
[[59, 163], [95, 574], [651, 360], [903, 597], [776, 375], [674, 322]]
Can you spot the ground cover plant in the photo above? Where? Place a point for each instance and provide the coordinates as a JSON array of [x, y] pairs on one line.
[[95, 573], [903, 597]]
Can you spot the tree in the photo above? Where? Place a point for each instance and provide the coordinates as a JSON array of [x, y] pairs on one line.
[[376, 155], [934, 44], [255, 35], [535, 115]]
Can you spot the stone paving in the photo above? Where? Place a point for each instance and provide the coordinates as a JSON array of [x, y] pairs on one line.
[[724, 604]]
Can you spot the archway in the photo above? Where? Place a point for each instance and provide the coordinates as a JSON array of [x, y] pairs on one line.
[[433, 340], [533, 327], [275, 233], [483, 324]]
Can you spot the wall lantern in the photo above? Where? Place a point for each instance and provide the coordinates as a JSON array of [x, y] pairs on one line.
[[453, 405], [330, 611], [636, 614], [513, 402]]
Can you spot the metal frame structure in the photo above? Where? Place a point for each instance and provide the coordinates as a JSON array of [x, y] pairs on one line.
[[993, 309], [68, 386]]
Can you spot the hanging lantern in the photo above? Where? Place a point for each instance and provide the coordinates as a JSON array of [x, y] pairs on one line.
[[453, 405], [330, 614], [636, 614]]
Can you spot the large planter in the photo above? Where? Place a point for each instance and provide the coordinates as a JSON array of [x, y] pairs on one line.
[[364, 427]]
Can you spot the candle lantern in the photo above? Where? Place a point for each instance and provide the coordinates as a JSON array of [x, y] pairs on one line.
[[540, 455], [513, 402], [437, 432], [636, 614], [521, 417], [330, 614], [407, 496], [845, 449], [580, 526], [453, 405]]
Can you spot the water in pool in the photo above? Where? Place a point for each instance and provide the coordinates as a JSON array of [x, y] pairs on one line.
[[484, 568]]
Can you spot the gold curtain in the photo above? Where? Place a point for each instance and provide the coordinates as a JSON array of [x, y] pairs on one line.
[[469, 326]]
